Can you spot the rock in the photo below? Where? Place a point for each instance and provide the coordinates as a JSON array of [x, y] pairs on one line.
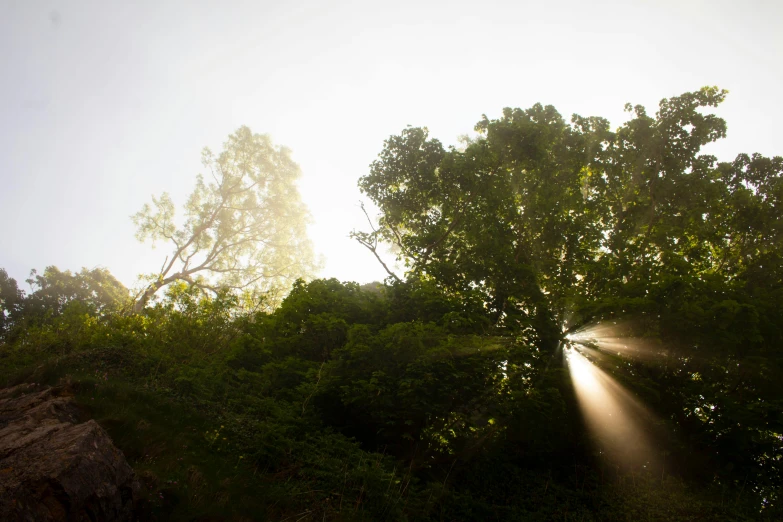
[[54, 467]]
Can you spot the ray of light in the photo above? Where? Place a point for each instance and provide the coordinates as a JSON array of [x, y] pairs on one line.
[[615, 338], [618, 423]]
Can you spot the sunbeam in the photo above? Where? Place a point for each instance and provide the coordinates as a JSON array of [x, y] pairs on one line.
[[617, 421], [615, 337]]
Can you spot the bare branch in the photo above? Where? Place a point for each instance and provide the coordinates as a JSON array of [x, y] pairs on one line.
[[373, 248], [369, 221]]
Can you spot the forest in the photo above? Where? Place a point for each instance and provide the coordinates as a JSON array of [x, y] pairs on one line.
[[587, 325]]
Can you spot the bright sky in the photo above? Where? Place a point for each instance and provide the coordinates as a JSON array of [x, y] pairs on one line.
[[103, 104]]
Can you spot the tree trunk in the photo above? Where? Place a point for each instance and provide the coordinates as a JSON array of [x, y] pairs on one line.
[[141, 302]]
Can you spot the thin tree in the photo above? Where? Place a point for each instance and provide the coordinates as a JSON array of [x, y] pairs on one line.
[[243, 229]]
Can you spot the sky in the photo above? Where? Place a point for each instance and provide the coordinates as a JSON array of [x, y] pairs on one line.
[[105, 103]]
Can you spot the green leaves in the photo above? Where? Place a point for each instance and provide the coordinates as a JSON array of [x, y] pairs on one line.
[[413, 381], [537, 212]]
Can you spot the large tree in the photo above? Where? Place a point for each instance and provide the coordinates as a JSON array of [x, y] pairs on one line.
[[244, 227], [538, 213], [556, 224]]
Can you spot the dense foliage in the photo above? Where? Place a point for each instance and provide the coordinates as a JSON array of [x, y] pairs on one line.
[[557, 226], [443, 395]]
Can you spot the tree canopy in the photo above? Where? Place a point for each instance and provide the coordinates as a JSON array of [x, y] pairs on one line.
[[539, 213], [244, 225]]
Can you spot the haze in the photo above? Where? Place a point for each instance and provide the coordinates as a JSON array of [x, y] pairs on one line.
[[103, 104]]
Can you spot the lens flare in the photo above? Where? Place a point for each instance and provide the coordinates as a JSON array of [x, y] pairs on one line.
[[618, 422]]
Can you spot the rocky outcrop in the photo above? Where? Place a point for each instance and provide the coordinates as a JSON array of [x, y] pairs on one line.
[[55, 466]]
